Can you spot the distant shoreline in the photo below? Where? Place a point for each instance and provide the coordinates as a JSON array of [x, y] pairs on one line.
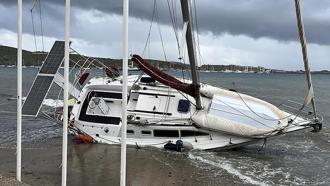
[[8, 56], [272, 72]]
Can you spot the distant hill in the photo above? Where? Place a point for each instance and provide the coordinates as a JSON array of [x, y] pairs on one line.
[[8, 57]]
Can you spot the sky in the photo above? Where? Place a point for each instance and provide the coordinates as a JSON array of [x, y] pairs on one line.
[[240, 32]]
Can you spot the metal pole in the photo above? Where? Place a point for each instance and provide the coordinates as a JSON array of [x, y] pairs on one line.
[[304, 51], [66, 92], [19, 91], [124, 97], [191, 51]]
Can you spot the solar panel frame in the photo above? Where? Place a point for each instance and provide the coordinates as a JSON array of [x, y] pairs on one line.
[[43, 82]]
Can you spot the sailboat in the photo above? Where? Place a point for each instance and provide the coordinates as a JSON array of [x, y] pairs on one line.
[[164, 111], [132, 68]]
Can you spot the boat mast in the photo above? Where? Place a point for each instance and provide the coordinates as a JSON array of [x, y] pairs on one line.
[[191, 51], [304, 52]]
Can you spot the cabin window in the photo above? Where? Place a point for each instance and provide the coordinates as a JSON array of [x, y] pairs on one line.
[[187, 133], [166, 133], [146, 132], [99, 101], [183, 106], [147, 80], [130, 131]]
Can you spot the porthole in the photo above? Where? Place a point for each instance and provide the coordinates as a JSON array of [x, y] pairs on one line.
[[146, 132], [130, 131]]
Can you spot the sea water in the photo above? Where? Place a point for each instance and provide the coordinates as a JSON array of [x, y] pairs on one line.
[[300, 158]]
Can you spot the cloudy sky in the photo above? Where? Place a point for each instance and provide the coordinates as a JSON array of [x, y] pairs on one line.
[[242, 32]]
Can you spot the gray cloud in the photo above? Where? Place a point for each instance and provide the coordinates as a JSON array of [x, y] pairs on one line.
[[253, 18]]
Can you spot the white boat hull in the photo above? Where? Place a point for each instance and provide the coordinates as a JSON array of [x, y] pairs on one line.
[[156, 118]]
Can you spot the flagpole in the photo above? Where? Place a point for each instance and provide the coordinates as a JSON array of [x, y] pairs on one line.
[[19, 90], [66, 92], [124, 97]]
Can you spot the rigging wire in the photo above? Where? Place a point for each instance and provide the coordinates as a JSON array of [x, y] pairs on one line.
[[174, 25], [175, 14], [36, 56], [150, 28], [298, 112], [242, 113], [291, 122], [33, 27], [37, 3], [181, 47], [197, 33], [41, 26], [159, 30], [155, 17], [193, 30], [34, 5]]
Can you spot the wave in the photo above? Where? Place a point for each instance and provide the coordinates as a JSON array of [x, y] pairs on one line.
[[229, 168], [53, 103]]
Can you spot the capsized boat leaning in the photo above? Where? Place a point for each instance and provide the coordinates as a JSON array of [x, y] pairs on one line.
[[164, 111], [161, 109], [159, 114]]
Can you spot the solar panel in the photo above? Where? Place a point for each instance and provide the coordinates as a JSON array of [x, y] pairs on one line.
[[36, 95], [54, 59], [44, 80]]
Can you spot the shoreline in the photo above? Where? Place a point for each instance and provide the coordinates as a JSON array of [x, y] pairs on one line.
[[326, 72], [99, 164]]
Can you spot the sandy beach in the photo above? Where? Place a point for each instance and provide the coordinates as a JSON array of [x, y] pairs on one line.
[[99, 164]]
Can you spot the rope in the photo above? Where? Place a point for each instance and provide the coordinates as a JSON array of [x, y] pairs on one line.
[[290, 115], [109, 140], [167, 104], [243, 113], [302, 107], [135, 142]]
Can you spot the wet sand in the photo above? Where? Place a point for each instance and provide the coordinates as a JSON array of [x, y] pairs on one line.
[[99, 164], [39, 165], [10, 181]]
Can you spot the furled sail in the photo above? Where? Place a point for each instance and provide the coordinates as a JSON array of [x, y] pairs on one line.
[[162, 77]]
